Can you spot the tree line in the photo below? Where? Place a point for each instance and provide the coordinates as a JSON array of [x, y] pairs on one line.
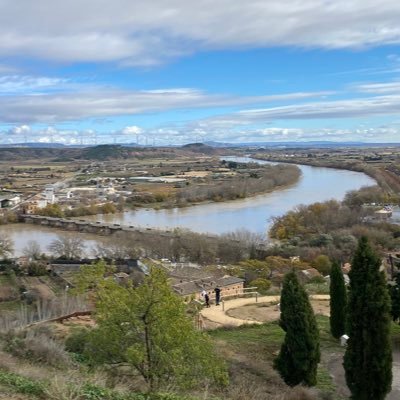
[[363, 313]]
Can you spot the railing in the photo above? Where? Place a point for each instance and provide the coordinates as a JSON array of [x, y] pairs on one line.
[[252, 291]]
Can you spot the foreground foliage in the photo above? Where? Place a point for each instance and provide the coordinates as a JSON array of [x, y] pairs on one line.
[[300, 354], [368, 357], [147, 329], [41, 389]]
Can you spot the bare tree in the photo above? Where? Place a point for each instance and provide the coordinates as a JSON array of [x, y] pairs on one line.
[[121, 246], [245, 240], [6, 246], [69, 247], [32, 250]]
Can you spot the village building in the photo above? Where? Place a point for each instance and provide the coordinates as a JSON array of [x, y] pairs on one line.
[[383, 214], [9, 200]]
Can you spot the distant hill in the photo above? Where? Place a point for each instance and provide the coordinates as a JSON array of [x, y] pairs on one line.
[[100, 152], [105, 152], [25, 153], [200, 148]]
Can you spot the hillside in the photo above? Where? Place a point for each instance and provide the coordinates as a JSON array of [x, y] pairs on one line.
[[101, 152]]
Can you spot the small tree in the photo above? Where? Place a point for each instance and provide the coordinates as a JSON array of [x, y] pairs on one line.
[[32, 250], [147, 329], [300, 354], [368, 357], [70, 247], [322, 263], [338, 301], [6, 246]]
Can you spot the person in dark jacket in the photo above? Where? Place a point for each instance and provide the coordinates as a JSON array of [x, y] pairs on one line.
[[207, 300], [217, 291]]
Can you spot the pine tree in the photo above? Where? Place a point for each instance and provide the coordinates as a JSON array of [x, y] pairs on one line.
[[299, 356], [338, 301], [368, 357]]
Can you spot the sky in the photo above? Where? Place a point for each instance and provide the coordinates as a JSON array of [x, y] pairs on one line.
[[161, 72]]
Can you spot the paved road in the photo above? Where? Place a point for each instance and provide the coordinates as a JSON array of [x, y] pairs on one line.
[[218, 316]]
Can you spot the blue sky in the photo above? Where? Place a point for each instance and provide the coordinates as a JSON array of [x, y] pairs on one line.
[[179, 71]]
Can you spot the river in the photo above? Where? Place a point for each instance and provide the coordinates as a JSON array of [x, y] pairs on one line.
[[253, 213]]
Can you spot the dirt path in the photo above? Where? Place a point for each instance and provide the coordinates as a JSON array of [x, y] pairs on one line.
[[336, 370], [219, 317]]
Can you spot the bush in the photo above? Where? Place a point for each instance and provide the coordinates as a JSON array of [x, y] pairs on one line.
[[76, 341], [36, 269], [37, 346], [318, 280], [317, 288], [262, 285], [322, 263]]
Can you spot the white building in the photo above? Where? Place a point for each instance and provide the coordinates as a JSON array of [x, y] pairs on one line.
[[49, 194]]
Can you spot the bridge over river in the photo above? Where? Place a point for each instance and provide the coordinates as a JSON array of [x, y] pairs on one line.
[[85, 226]]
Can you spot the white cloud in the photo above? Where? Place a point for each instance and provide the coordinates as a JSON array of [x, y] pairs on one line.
[[186, 134], [380, 88], [20, 130], [144, 32], [352, 108], [22, 84], [58, 107], [132, 130]]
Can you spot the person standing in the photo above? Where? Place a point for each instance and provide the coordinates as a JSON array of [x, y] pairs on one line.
[[207, 300], [217, 291]]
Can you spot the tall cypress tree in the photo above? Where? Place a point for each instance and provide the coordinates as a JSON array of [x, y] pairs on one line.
[[368, 357], [338, 301], [299, 356], [394, 291]]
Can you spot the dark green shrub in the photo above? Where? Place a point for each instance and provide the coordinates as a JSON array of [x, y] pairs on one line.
[[76, 341]]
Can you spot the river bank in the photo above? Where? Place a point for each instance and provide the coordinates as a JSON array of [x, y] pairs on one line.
[[380, 174], [253, 214]]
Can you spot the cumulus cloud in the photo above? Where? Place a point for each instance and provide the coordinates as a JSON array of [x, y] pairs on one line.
[[132, 130], [168, 135], [146, 32], [19, 130]]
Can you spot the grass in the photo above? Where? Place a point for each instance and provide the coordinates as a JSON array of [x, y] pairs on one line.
[[41, 389], [271, 334], [12, 305], [324, 380], [260, 344], [20, 384]]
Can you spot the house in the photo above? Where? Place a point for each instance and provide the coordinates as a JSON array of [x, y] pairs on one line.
[[383, 214], [229, 285], [9, 200]]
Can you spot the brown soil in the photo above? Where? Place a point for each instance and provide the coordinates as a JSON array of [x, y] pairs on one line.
[[266, 312], [8, 293], [43, 291]]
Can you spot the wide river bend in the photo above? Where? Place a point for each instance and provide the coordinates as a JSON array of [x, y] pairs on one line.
[[253, 213]]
